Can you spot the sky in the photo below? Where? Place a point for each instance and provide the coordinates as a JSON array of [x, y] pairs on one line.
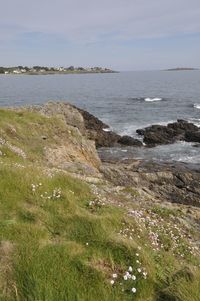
[[118, 34]]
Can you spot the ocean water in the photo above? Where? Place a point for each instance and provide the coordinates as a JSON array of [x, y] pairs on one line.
[[125, 101]]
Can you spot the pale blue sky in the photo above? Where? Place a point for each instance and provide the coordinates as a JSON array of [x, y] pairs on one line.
[[120, 34]]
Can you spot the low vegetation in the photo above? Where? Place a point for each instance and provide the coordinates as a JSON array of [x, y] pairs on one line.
[[62, 239]]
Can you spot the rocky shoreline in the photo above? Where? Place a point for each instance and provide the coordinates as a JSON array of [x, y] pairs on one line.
[[172, 182], [152, 136], [98, 222], [172, 132], [167, 182]]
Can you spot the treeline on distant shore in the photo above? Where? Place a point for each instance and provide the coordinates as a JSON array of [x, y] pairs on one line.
[[42, 69]]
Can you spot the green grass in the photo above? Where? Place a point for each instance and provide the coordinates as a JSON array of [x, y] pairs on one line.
[[54, 246], [31, 132], [63, 251]]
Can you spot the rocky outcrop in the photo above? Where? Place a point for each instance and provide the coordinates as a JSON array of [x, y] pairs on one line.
[[160, 134], [102, 135], [66, 135], [70, 148], [65, 111], [88, 125], [130, 141], [192, 136], [175, 183]]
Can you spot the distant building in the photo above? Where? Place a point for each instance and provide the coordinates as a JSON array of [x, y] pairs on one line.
[[16, 71]]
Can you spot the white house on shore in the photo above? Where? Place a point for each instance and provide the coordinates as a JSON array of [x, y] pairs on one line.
[[16, 71]]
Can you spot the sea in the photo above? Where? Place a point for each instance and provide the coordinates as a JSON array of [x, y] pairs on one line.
[[125, 101]]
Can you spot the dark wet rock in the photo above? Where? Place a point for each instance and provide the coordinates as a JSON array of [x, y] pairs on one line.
[[129, 141], [160, 134], [175, 183], [91, 122], [100, 133], [191, 136], [181, 126], [102, 138], [163, 136]]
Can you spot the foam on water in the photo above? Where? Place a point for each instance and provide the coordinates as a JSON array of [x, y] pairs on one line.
[[196, 106], [148, 99], [178, 152], [107, 130], [195, 121]]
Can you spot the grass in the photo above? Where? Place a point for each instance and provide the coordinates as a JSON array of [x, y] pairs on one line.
[[58, 242], [61, 250]]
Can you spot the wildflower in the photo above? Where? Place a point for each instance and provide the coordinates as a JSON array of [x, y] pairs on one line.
[[145, 275], [133, 277], [87, 243], [125, 277], [112, 282], [130, 269], [137, 254], [139, 270], [114, 275], [133, 290]]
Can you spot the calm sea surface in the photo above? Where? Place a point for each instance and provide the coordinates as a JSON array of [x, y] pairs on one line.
[[122, 100]]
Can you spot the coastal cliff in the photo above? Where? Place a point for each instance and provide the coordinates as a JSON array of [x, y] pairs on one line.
[[75, 228]]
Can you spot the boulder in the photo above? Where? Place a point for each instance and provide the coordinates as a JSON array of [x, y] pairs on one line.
[[129, 141], [191, 136], [100, 133], [160, 134]]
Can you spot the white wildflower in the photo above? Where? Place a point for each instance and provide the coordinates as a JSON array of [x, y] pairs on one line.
[[130, 269]]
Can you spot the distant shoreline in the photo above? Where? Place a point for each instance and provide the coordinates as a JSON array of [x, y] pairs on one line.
[[38, 70], [181, 69], [60, 73]]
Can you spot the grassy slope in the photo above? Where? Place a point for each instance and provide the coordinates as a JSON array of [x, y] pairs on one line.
[[57, 245]]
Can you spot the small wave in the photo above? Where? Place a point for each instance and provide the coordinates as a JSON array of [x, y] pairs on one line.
[[107, 130], [196, 106], [195, 121], [153, 99], [148, 99]]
